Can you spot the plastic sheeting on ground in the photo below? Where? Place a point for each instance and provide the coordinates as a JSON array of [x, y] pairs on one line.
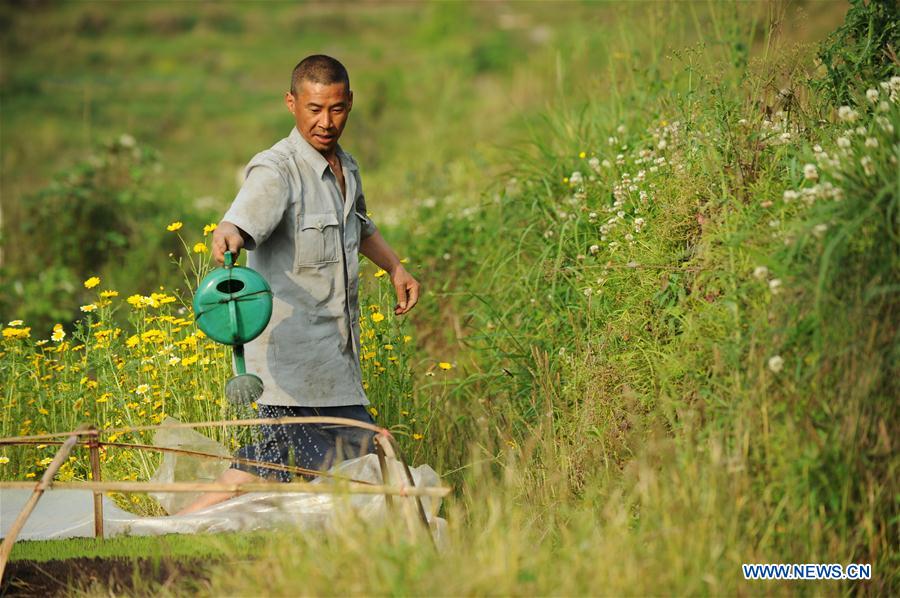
[[70, 513]]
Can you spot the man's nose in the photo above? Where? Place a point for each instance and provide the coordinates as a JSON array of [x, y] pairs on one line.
[[326, 121]]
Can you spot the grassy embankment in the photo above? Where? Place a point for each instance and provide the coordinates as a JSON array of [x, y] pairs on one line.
[[674, 363], [680, 359]]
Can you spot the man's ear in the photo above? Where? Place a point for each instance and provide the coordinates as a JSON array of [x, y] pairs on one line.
[[289, 101], [350, 102]]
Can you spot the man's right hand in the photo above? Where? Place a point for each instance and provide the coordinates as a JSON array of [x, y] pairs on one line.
[[226, 237]]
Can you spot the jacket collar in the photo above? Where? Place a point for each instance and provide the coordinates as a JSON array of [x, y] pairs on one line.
[[316, 159]]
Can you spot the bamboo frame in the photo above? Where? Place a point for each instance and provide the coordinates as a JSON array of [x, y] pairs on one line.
[[385, 445]]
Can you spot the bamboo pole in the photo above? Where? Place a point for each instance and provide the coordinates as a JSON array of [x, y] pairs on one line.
[[410, 479], [61, 455], [391, 467], [94, 448], [278, 487], [338, 421], [191, 453]]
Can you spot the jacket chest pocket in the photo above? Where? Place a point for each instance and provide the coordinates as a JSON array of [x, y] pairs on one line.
[[318, 239]]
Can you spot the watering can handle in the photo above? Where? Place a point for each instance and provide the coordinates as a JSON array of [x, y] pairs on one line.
[[229, 259]]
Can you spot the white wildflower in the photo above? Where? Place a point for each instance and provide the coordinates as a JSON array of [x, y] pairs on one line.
[[776, 363], [790, 195], [872, 95], [819, 230], [810, 173], [847, 114], [775, 286], [594, 163], [883, 106], [576, 178], [760, 273], [868, 165], [594, 249], [871, 142], [126, 140], [588, 292], [843, 142], [662, 144]]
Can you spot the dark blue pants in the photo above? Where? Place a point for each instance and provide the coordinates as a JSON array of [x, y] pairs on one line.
[[312, 446]]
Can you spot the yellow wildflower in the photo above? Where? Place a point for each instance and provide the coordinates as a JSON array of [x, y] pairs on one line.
[[404, 260], [174, 226], [200, 248], [16, 332], [108, 294], [135, 301], [141, 389], [389, 347], [190, 360], [91, 282], [4, 460], [209, 228], [16, 323], [89, 307], [104, 397], [30, 474], [373, 411], [582, 154], [444, 365], [406, 338], [377, 317], [418, 436], [58, 333], [380, 273], [43, 411]]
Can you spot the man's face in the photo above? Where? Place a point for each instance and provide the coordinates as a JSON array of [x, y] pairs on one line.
[[320, 112]]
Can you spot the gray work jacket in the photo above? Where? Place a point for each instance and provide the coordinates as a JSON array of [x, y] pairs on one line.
[[305, 241]]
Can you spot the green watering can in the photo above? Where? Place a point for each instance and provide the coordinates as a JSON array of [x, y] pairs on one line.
[[233, 306]]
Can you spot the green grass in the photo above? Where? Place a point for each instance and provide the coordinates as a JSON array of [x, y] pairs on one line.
[[155, 547]]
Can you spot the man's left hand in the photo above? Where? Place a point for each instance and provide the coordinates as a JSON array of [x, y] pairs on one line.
[[407, 289]]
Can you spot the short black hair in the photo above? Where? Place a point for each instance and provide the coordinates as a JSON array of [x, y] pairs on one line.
[[319, 68]]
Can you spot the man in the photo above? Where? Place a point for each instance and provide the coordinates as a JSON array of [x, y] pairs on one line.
[[302, 212]]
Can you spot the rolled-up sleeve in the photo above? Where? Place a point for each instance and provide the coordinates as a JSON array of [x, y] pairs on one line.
[[260, 204]]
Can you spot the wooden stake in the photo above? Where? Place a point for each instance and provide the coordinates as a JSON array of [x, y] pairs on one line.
[[94, 448]]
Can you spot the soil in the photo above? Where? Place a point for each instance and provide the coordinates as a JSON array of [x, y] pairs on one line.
[[117, 575]]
